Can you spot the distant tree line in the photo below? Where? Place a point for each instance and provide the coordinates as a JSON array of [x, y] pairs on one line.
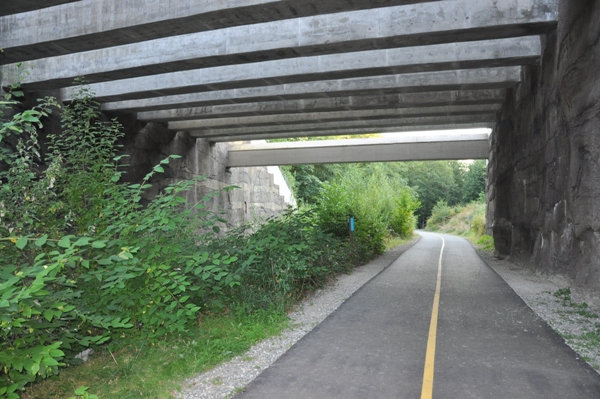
[[454, 182]]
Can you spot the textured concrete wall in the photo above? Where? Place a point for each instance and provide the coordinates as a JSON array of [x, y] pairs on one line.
[[257, 197], [544, 170]]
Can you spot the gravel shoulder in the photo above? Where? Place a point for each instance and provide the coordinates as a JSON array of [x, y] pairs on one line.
[[573, 312], [226, 380], [569, 310]]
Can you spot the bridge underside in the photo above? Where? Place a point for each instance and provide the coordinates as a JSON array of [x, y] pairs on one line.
[[199, 73], [260, 69]]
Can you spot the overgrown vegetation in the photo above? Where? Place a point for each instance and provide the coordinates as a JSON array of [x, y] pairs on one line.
[[87, 263], [467, 220], [378, 205], [83, 261], [285, 258], [455, 182], [154, 369]]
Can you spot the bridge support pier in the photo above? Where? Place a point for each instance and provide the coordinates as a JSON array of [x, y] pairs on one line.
[[544, 172], [261, 193]]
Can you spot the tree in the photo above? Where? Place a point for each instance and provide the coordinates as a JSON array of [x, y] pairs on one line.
[[432, 181], [474, 183]]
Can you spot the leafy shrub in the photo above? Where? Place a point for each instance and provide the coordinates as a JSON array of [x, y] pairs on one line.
[[83, 260], [334, 209], [440, 214], [403, 219], [41, 311], [375, 202], [283, 258]]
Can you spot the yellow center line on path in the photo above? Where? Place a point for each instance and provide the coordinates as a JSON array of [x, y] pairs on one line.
[[427, 388]]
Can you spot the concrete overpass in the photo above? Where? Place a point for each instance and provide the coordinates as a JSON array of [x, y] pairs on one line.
[[409, 147], [221, 71], [191, 75]]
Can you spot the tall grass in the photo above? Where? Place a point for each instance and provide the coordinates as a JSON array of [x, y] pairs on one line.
[[467, 220]]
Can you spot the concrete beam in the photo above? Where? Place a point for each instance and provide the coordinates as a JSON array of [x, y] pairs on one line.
[[350, 132], [321, 117], [20, 6], [325, 127], [475, 54], [463, 79], [406, 148], [88, 25], [386, 101], [429, 23]]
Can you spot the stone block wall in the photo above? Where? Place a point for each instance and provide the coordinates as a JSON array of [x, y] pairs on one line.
[[257, 197], [544, 169]]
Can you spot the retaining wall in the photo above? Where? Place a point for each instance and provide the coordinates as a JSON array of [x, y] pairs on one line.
[[257, 197], [544, 169]]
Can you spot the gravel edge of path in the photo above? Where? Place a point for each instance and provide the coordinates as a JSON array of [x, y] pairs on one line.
[[537, 291], [225, 380]]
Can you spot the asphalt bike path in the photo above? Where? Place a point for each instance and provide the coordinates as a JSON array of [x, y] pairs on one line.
[[437, 323]]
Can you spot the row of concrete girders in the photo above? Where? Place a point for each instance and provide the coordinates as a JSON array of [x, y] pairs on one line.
[[463, 79], [352, 31], [333, 116], [461, 55], [289, 81], [366, 119], [94, 24], [347, 127], [324, 104]]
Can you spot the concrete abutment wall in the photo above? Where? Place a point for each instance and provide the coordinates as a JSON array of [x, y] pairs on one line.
[[544, 169], [260, 192]]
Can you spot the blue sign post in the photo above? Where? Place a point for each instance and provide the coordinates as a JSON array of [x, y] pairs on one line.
[[352, 229]]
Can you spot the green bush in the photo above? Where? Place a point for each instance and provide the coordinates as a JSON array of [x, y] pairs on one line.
[[440, 214], [376, 203], [282, 259], [403, 219], [83, 261], [86, 261]]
